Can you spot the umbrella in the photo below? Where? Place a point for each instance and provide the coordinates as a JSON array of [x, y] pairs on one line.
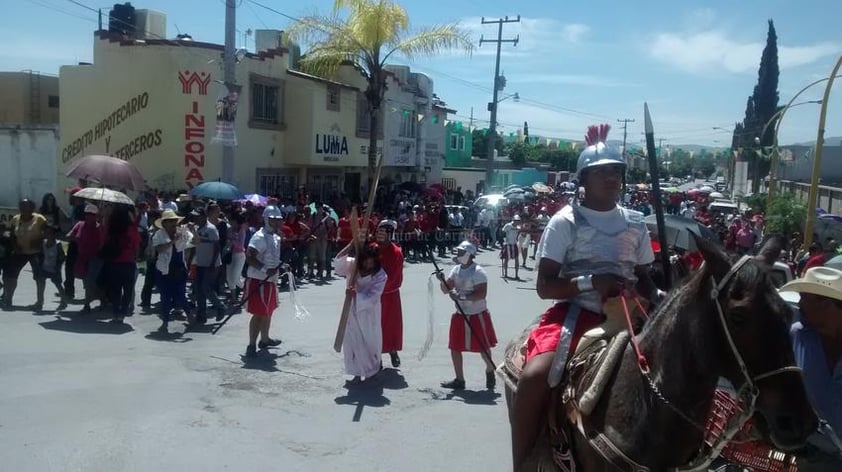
[[330, 211], [717, 195], [707, 189], [103, 195], [671, 190], [107, 170], [256, 199], [541, 188], [217, 191], [678, 230], [828, 216], [513, 191]]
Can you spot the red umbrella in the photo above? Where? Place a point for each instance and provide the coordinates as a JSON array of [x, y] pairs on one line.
[[107, 170]]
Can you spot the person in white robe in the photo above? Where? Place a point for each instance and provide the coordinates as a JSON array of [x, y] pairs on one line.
[[363, 334]]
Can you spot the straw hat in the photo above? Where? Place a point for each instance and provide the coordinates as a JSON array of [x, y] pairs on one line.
[[822, 281], [167, 215]]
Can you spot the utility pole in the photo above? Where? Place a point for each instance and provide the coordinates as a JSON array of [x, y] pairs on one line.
[[471, 123], [625, 122], [230, 79], [492, 107]]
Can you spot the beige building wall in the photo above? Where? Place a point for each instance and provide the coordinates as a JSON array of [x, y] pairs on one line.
[[154, 103], [29, 98]]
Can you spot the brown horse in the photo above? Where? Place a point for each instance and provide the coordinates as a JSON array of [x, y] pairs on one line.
[[724, 321]]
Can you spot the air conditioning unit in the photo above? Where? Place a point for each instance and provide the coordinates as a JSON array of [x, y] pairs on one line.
[[150, 24]]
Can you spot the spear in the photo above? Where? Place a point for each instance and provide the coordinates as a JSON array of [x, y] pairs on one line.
[[656, 194]]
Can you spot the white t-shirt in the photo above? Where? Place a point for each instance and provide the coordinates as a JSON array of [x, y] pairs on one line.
[[510, 232], [464, 281], [268, 246]]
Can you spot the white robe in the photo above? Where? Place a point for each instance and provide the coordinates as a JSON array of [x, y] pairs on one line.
[[363, 333]]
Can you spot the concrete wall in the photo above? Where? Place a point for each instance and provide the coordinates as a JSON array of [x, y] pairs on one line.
[[20, 90], [154, 103], [28, 163], [829, 198], [797, 163]]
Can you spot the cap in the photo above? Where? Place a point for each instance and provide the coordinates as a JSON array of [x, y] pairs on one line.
[[467, 247]]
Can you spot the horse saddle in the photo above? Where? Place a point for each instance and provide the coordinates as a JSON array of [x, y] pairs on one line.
[[590, 369]]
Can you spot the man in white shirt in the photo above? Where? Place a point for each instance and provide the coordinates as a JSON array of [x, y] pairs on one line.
[[261, 287], [208, 263], [510, 250], [467, 285]]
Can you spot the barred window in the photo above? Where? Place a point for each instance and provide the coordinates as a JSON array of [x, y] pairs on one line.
[[266, 102]]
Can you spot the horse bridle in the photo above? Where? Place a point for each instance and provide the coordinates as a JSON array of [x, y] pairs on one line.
[[747, 393]]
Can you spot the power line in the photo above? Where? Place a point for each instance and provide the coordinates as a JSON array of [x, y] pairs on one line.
[[53, 8]]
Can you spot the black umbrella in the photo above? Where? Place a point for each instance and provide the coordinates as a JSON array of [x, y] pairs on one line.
[[678, 230]]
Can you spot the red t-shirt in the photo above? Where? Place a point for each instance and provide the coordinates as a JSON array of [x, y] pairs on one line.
[[813, 261], [129, 245]]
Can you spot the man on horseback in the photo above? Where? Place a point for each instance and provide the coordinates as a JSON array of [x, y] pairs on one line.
[[589, 253]]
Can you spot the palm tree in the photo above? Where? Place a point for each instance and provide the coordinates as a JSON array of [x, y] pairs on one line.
[[372, 33]]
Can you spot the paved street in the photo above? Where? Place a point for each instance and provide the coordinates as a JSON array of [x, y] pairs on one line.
[[88, 396]]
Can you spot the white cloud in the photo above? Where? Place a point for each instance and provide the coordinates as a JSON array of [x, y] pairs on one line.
[[575, 32], [714, 51]]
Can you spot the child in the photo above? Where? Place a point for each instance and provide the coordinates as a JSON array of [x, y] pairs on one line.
[[52, 258]]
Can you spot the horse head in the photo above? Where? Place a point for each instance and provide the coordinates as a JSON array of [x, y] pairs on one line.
[[755, 351]]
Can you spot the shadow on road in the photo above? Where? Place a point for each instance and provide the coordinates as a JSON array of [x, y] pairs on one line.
[[167, 336], [470, 397], [370, 392], [87, 326]]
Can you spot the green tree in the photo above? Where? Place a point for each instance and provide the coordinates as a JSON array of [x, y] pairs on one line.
[[372, 32], [479, 141], [786, 214], [760, 108], [517, 152]]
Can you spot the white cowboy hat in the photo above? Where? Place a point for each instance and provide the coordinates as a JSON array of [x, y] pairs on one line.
[[822, 281], [167, 215]]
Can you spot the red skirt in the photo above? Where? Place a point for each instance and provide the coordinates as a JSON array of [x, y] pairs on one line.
[[391, 321], [477, 338], [262, 297], [545, 336]]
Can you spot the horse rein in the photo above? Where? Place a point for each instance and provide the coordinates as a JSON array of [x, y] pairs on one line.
[[747, 393]]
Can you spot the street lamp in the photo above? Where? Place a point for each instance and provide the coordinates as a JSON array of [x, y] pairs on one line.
[[774, 156]]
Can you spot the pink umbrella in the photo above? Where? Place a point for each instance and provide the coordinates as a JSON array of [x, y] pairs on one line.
[[107, 170]]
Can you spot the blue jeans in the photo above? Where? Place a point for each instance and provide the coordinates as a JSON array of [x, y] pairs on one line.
[[206, 290], [173, 291]]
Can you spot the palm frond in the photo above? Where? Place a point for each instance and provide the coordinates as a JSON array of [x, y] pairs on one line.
[[431, 40]]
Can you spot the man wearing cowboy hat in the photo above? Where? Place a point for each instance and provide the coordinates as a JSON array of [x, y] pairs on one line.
[[170, 271], [817, 342]]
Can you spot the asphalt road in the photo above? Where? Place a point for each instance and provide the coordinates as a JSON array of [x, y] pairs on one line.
[[83, 395]]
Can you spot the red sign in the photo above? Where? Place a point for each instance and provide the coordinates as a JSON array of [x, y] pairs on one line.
[[194, 128]]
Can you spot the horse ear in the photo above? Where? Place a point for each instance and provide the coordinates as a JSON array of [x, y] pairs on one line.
[[770, 251], [716, 261]]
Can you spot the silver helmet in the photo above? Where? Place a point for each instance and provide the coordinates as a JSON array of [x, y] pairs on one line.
[[598, 153]]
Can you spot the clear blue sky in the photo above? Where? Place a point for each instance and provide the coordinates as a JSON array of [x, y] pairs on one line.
[[695, 62]]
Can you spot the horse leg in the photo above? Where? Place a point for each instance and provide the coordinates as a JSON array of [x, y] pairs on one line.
[[529, 406]]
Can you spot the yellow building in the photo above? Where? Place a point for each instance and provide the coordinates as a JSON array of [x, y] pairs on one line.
[[154, 102], [28, 98]]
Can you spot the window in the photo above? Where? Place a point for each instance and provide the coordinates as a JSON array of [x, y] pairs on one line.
[[454, 141], [266, 102], [461, 143], [52, 101], [407, 124], [333, 96]]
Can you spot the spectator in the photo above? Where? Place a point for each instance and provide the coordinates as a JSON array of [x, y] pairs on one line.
[[28, 234], [119, 253], [86, 236]]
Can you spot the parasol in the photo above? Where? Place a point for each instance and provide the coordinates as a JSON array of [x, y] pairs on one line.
[[107, 170], [717, 195], [706, 189], [538, 187], [103, 195], [255, 199], [216, 190], [678, 230]]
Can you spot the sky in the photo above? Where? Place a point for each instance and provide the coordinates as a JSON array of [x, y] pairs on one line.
[[576, 64]]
